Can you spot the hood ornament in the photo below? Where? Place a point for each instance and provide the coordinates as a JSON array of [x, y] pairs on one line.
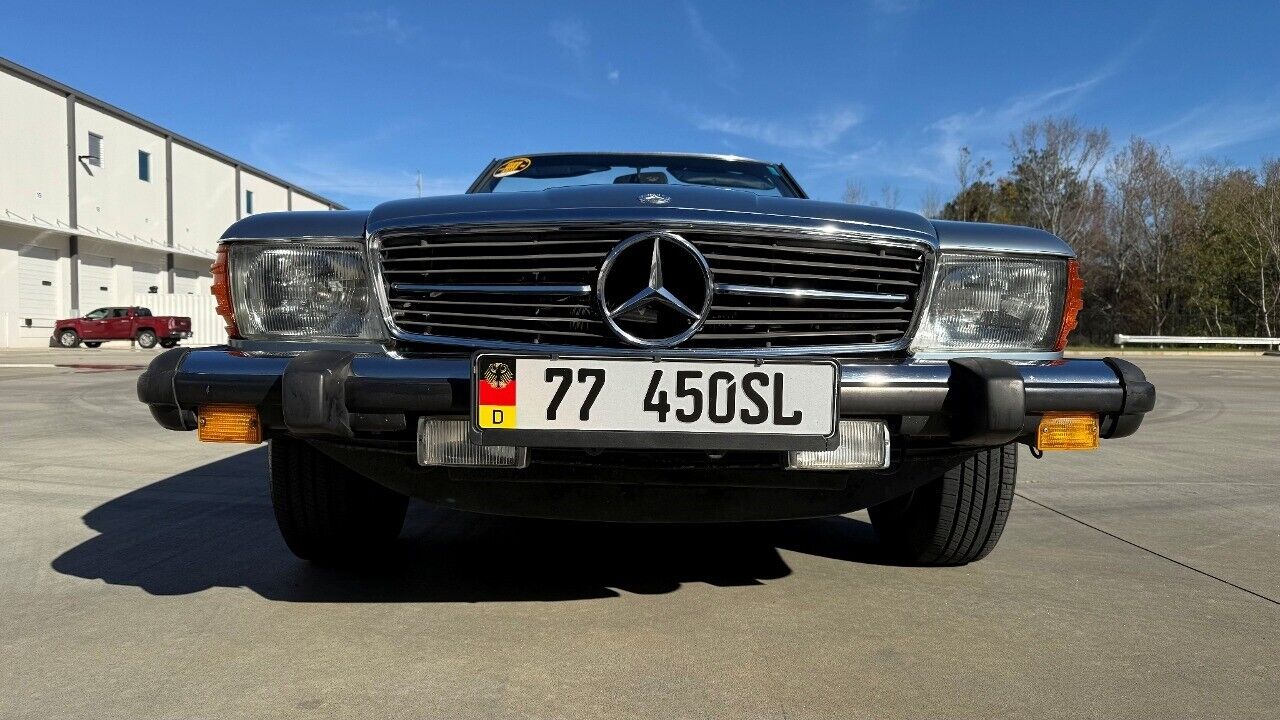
[[655, 199]]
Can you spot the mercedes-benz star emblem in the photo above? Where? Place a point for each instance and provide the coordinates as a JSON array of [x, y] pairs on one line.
[[654, 199], [654, 289]]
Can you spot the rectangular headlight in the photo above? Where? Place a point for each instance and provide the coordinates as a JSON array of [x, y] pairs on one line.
[[301, 290], [995, 303]]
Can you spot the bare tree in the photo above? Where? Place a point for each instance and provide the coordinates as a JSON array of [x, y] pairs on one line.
[[1054, 163], [1263, 245], [931, 203], [1147, 206], [890, 197], [1163, 247], [968, 174], [854, 193]]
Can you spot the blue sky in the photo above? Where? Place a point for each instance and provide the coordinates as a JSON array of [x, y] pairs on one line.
[[351, 101]]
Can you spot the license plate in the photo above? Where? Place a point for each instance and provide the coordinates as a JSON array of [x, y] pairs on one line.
[[617, 402]]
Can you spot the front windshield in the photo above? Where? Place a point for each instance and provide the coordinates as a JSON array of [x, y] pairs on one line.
[[542, 172]]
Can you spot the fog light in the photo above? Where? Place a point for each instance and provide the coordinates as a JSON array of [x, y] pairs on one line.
[[864, 444], [445, 443], [228, 424], [1068, 431]]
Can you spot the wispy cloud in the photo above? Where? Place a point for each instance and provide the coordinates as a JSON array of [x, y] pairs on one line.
[[571, 34], [337, 170], [928, 155], [814, 133], [1217, 125], [984, 128], [338, 178], [719, 62], [384, 24], [613, 75], [491, 72], [894, 7]]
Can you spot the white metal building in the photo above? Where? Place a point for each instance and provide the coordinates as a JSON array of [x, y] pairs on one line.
[[97, 205]]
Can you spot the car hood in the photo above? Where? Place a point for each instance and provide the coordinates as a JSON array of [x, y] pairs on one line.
[[623, 202]]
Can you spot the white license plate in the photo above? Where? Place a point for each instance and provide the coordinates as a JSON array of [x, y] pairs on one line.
[[647, 396]]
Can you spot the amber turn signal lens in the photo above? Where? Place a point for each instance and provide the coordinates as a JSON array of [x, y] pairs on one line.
[[228, 424], [1068, 431], [1072, 304], [221, 290]]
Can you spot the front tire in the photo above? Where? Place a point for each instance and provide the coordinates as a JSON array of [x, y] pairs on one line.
[[955, 519], [68, 338], [147, 339], [327, 512]]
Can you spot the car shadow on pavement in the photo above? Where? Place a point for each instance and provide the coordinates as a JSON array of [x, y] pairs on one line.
[[213, 527]]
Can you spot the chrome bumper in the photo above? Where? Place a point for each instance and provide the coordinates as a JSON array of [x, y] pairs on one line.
[[338, 394]]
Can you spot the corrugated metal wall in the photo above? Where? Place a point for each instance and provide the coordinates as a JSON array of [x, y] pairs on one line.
[[206, 327]]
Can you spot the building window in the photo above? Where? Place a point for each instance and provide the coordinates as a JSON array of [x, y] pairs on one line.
[[95, 150], [144, 166], [248, 202]]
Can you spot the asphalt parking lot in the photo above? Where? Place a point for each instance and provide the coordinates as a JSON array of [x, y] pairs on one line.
[[142, 576]]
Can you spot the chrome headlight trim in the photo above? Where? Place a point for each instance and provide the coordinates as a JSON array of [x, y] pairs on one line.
[[303, 289], [989, 321]]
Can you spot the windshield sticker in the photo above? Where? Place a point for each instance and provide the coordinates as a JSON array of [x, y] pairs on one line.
[[512, 166]]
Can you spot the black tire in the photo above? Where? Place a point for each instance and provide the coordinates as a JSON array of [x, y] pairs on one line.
[[955, 519], [147, 339], [328, 513], [168, 343], [91, 345], [68, 338]]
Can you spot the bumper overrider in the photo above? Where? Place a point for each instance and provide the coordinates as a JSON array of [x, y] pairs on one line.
[[363, 410]]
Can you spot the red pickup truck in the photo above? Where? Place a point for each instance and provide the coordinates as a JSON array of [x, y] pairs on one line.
[[122, 323]]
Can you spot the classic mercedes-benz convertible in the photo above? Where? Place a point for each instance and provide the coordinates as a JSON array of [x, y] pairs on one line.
[[644, 337]]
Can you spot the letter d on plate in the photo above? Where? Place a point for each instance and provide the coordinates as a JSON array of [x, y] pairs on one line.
[[497, 416]]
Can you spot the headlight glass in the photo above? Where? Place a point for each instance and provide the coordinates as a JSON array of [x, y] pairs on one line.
[[295, 290], [994, 303]]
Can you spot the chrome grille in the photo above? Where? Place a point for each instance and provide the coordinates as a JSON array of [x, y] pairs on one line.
[[536, 287]]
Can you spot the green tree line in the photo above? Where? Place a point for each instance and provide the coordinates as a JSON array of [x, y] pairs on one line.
[[1165, 248]]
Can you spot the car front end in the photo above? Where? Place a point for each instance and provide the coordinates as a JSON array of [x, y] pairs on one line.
[[655, 353]]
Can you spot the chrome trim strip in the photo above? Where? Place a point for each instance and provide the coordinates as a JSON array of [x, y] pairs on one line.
[[1008, 355], [732, 289], [648, 217], [512, 289], [831, 231], [954, 236]]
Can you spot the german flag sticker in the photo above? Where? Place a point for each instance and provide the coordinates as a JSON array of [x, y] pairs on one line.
[[496, 392]]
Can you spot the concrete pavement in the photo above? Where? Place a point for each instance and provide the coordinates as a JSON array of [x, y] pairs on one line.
[[142, 576]]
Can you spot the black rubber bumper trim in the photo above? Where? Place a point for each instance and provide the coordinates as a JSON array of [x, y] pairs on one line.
[[156, 389], [312, 394], [1139, 398], [986, 401]]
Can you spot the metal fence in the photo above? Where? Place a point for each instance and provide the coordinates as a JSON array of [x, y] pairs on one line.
[[206, 327], [1123, 340]]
